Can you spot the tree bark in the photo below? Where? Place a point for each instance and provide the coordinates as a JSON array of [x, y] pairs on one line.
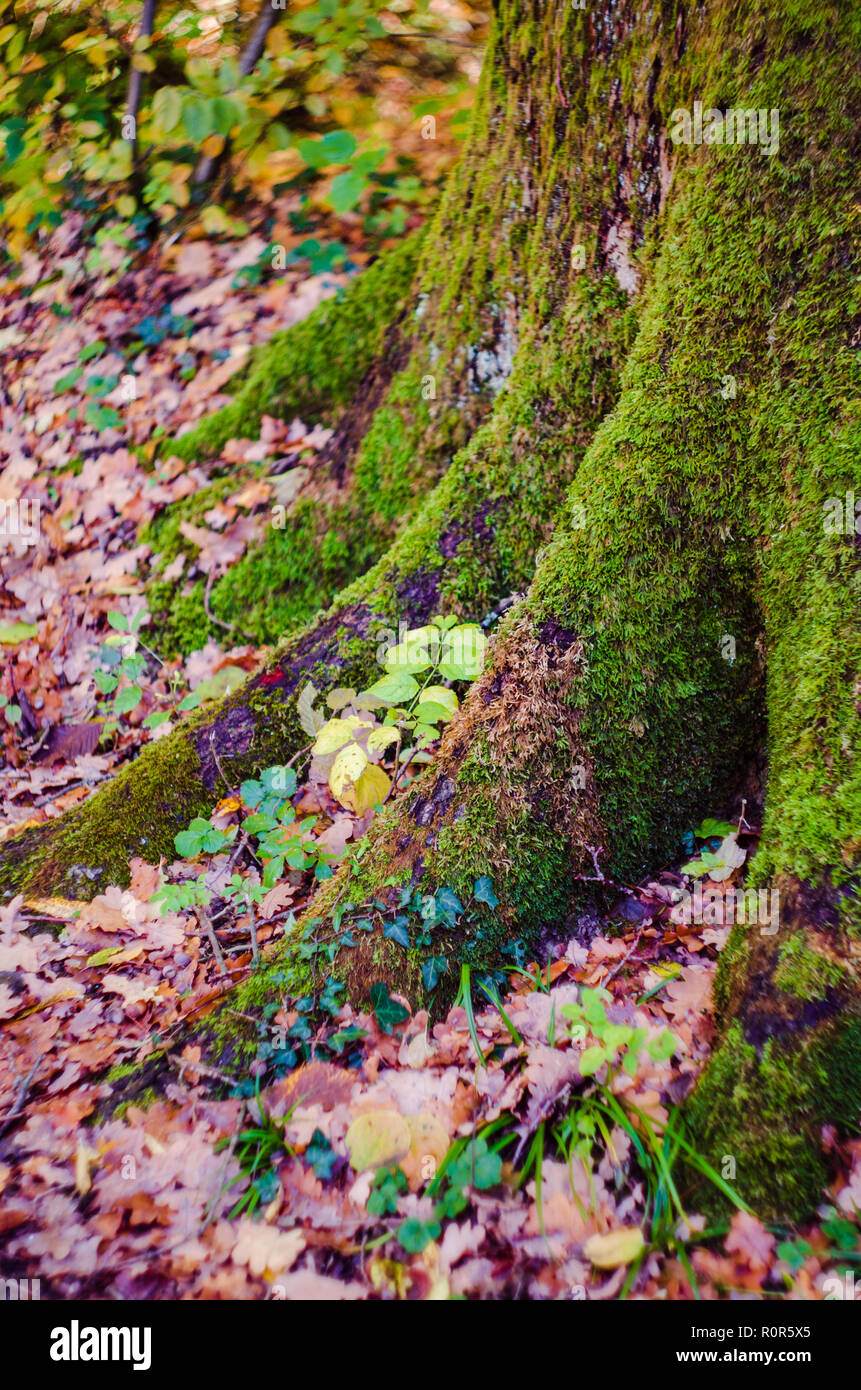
[[677, 411]]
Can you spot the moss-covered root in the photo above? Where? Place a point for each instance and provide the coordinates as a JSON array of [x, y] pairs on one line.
[[473, 543], [788, 1057], [788, 1060], [314, 368], [475, 538], [701, 534]]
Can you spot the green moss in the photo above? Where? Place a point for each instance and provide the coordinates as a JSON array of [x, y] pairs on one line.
[[143, 1101], [805, 973], [312, 369], [742, 1109]]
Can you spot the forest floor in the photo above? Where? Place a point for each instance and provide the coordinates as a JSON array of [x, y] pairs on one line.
[[363, 1155]]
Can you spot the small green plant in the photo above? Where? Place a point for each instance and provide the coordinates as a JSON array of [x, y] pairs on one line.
[[616, 1044], [354, 740], [721, 854], [471, 1164], [387, 1186], [257, 1149], [11, 710]]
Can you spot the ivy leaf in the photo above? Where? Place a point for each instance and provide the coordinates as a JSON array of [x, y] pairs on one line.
[[433, 970], [483, 891], [387, 1011], [321, 1156], [448, 902], [396, 931]]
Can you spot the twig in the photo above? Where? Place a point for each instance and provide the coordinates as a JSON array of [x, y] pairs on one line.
[[18, 1104], [229, 627], [598, 876], [204, 920], [217, 761], [624, 961], [183, 1064]]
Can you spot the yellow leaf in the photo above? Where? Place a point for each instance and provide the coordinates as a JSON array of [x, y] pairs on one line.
[[335, 733], [381, 738], [61, 909], [619, 1247], [84, 1160], [101, 957], [377, 1139], [347, 768], [359, 796], [372, 786], [428, 1147]]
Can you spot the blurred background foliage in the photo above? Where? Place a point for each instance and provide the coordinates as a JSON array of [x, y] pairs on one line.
[[142, 116]]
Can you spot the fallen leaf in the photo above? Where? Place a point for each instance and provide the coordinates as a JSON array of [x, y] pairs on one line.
[[618, 1247]]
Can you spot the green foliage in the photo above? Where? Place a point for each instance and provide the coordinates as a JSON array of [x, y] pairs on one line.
[[67, 137], [282, 841], [257, 1149], [387, 1186], [445, 650], [387, 1011], [12, 712], [615, 1044]]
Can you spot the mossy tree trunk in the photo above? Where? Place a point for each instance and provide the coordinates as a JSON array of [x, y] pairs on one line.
[[677, 413]]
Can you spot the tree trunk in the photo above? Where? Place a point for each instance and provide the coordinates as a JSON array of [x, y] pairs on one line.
[[679, 409]]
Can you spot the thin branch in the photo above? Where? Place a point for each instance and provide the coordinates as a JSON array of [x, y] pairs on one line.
[[266, 18], [133, 99], [230, 627]]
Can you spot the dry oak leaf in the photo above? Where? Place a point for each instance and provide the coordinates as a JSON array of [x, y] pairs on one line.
[[316, 1083], [429, 1146], [306, 1286], [749, 1238], [264, 1250], [689, 992]]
